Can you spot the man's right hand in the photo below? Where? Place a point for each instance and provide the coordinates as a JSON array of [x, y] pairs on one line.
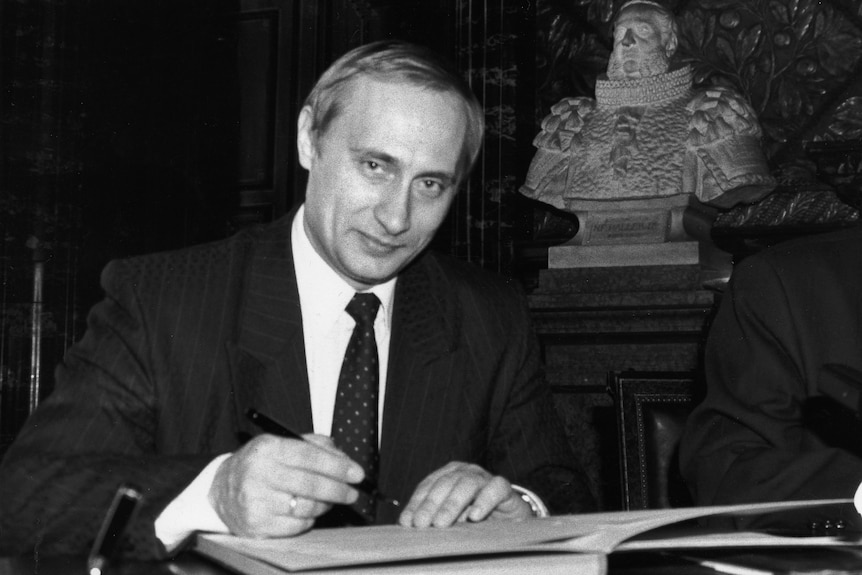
[[277, 487]]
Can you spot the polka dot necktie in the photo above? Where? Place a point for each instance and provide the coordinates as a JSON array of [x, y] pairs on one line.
[[354, 422]]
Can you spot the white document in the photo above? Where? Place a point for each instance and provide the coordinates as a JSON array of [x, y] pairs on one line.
[[568, 543]]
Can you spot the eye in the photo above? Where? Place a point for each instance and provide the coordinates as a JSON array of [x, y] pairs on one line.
[[430, 187], [374, 169]]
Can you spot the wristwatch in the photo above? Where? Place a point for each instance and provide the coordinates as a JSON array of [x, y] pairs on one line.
[[534, 501]]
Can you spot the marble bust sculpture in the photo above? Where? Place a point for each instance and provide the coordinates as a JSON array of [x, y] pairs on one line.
[[648, 140]]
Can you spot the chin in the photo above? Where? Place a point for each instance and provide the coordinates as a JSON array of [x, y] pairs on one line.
[[372, 276]]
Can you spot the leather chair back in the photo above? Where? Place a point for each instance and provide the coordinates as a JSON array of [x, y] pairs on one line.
[[651, 410]]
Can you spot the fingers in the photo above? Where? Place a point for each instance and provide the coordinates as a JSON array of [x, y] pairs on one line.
[[498, 498], [274, 486], [317, 472], [427, 497], [299, 507], [459, 492], [283, 516], [322, 441]]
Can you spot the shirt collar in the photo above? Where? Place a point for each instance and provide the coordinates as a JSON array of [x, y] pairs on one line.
[[323, 293]]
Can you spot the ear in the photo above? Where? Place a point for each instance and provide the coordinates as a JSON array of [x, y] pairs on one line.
[[672, 43], [304, 138]]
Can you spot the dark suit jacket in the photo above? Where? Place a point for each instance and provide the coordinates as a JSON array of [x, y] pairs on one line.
[[764, 432], [184, 342]]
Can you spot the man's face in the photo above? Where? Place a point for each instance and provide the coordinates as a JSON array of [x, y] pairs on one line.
[[381, 177], [638, 48]]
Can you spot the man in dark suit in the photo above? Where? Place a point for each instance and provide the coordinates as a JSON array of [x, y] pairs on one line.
[[768, 430], [185, 342]]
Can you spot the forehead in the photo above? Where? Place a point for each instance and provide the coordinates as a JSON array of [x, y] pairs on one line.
[[402, 119], [638, 14]]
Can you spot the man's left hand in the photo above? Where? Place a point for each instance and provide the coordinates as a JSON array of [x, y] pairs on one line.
[[462, 492]]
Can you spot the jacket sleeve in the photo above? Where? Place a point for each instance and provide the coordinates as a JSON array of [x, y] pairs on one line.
[[752, 438], [529, 445], [96, 430]]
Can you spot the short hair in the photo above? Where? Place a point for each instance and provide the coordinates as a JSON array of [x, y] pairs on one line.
[[396, 61], [664, 13]]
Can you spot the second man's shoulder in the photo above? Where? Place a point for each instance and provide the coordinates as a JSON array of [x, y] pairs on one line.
[[833, 249]]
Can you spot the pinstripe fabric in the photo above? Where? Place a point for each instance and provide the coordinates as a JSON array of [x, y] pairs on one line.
[[185, 341]]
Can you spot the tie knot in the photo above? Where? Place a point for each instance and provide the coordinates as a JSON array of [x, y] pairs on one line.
[[363, 308]]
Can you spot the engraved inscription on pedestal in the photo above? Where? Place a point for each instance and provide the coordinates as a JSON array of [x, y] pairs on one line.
[[645, 227]]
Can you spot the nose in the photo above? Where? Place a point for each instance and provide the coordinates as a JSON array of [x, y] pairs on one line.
[[628, 38], [393, 209]]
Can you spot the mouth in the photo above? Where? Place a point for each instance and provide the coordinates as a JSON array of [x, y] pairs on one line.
[[378, 246]]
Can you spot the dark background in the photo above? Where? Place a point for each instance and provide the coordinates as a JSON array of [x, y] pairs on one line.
[[131, 126]]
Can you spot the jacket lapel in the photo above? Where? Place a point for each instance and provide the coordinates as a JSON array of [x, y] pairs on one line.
[[268, 358], [424, 326]]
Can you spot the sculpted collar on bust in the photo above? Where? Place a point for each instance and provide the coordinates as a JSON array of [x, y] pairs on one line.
[[643, 91]]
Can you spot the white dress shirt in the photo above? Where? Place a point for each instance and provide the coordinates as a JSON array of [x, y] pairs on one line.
[[327, 327]]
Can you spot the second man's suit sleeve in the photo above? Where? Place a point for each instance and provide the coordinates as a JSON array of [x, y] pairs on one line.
[[748, 441]]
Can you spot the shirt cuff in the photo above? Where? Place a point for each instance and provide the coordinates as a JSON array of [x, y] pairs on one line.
[[857, 499], [534, 501], [191, 511]]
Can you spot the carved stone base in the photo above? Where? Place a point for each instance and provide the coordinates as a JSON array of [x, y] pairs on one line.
[[712, 265], [625, 255], [603, 282]]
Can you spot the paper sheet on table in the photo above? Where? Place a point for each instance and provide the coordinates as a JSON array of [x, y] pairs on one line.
[[588, 534]]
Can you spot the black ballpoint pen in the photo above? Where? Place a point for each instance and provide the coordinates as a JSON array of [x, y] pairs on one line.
[[269, 425]]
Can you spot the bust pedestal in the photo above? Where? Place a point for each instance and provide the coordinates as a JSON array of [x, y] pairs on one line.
[[593, 320], [634, 234]]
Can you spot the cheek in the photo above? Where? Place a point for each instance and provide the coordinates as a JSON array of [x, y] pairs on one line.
[[326, 214]]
